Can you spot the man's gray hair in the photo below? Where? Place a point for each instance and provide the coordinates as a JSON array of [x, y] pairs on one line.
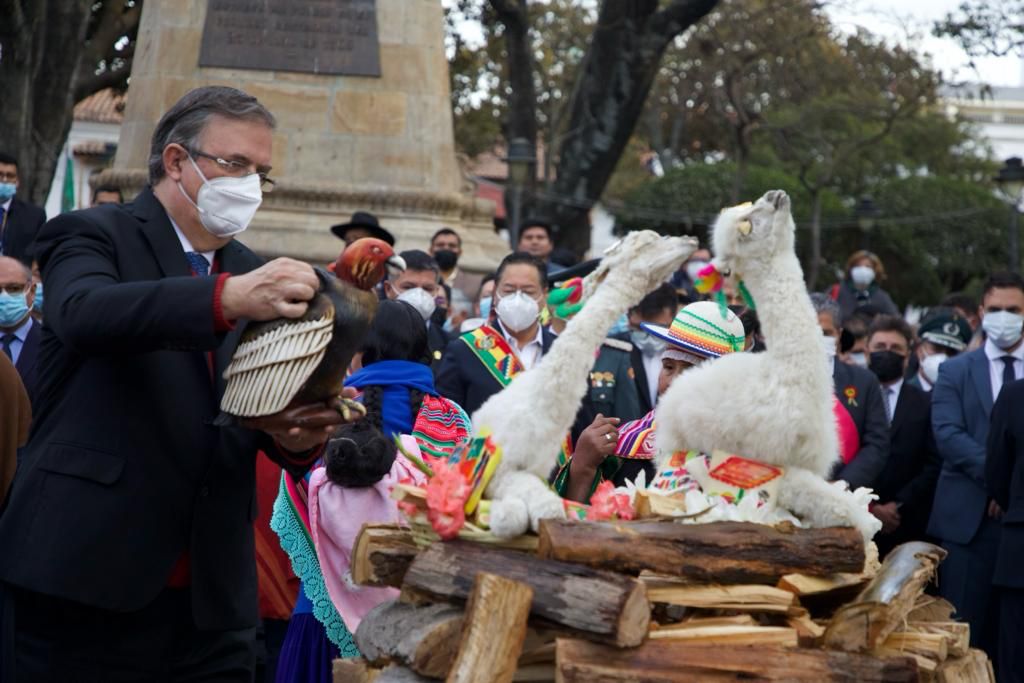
[[823, 303], [183, 123]]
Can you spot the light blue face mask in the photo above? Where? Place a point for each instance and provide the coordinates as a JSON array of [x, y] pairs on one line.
[[37, 304], [7, 191], [485, 308], [621, 325], [13, 309]]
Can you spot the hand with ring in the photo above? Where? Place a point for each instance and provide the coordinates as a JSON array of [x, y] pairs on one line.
[[597, 442]]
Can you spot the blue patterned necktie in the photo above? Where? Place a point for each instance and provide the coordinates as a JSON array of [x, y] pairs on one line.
[[198, 262], [7, 340]]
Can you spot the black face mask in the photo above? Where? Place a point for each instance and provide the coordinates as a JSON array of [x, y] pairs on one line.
[[887, 365], [446, 259]]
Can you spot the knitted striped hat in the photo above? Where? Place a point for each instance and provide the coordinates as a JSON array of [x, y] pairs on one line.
[[700, 332]]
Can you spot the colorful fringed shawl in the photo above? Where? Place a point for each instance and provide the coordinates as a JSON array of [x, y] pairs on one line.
[[636, 442]]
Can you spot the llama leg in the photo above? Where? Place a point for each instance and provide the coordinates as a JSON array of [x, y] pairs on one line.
[[520, 501], [822, 504]]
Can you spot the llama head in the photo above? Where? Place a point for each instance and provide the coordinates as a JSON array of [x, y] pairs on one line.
[[642, 258], [753, 233]]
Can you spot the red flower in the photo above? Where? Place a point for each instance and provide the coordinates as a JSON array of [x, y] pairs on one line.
[[447, 492], [606, 504]]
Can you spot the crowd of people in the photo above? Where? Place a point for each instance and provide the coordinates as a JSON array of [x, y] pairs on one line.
[[142, 542]]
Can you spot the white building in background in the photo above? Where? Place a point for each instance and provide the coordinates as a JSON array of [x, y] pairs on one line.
[[91, 142], [999, 116]]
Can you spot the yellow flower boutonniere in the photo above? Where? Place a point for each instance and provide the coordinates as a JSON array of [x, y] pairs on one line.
[[851, 395]]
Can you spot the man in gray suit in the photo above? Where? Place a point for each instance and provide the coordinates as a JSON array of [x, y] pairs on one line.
[[964, 517]]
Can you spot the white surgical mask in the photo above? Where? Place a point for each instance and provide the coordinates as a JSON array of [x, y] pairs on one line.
[[862, 276], [858, 358], [419, 299], [517, 311], [828, 346], [693, 269], [648, 344], [930, 366], [226, 205], [1003, 328]]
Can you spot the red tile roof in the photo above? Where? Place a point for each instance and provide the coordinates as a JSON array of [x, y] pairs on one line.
[[105, 106]]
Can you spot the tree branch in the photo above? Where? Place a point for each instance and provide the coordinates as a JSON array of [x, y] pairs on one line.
[[679, 15], [107, 79]]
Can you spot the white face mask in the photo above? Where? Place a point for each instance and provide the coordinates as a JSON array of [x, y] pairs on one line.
[[419, 299], [859, 359], [517, 311], [828, 346], [930, 366], [693, 269], [862, 276], [1003, 328], [226, 205]]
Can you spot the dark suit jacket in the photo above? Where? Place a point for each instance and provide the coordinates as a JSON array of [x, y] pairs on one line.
[[124, 471], [912, 468], [1004, 475], [464, 379], [961, 406], [22, 226], [640, 378], [437, 342], [27, 364], [867, 409]]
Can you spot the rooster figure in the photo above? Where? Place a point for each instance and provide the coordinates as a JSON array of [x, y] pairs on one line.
[[301, 361]]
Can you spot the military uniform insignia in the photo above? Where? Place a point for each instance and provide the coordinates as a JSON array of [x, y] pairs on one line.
[[437, 355]]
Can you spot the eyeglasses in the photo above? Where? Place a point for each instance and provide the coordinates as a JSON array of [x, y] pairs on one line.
[[15, 289], [8, 177], [237, 169]]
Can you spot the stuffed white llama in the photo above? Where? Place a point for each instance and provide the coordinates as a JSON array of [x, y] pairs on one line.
[[531, 416], [775, 406]]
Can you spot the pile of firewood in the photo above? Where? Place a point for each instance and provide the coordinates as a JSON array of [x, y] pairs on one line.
[[655, 600]]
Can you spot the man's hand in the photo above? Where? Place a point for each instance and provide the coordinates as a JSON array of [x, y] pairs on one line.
[[597, 442], [299, 428], [994, 511], [889, 515], [279, 289]]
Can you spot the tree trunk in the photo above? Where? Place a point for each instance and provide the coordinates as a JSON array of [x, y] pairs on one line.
[[719, 552], [815, 265], [597, 605], [423, 638]]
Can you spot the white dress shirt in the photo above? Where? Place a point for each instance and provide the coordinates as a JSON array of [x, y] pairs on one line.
[[530, 354], [652, 368], [995, 365], [18, 343], [890, 395], [186, 246]]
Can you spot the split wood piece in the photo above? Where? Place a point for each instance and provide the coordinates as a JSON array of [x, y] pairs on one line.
[[593, 604], [803, 585], [352, 670], [493, 630], [807, 629], [930, 645], [731, 635], [696, 622], [681, 662], [931, 608], [381, 555], [752, 598], [536, 673], [885, 602], [538, 647], [956, 633], [423, 638], [400, 674], [650, 504], [717, 552], [926, 665], [975, 667]]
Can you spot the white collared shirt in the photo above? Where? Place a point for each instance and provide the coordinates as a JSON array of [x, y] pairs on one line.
[[652, 368], [531, 353], [7, 205], [891, 395], [996, 365], [186, 246], [20, 334]]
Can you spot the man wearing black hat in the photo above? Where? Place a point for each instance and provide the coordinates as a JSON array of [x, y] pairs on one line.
[[943, 334], [362, 224]]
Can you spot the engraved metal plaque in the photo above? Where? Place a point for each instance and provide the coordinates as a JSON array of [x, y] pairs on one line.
[[311, 36]]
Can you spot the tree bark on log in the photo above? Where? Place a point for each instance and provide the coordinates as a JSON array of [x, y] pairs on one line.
[[493, 631], [425, 639], [676, 662], [381, 555], [885, 602], [719, 552], [593, 604]]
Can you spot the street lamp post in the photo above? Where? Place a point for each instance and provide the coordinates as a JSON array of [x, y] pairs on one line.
[[520, 162], [867, 215], [1010, 180]]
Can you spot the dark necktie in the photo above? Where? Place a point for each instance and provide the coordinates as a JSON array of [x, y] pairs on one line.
[[1008, 374], [3, 226], [198, 262], [7, 340]]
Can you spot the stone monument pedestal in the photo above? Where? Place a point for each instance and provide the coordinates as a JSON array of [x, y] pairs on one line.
[[344, 142]]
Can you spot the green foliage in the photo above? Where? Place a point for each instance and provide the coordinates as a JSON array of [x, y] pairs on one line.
[[986, 27]]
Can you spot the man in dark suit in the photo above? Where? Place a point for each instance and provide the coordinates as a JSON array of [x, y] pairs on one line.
[[19, 220], [127, 537], [906, 486], [481, 363], [1004, 476], [657, 308], [19, 333], [419, 285], [858, 391], [964, 516]]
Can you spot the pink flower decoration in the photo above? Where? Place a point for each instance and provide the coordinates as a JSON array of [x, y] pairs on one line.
[[447, 492], [606, 504]]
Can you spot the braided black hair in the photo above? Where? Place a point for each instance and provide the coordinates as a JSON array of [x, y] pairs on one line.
[[358, 455], [373, 401]]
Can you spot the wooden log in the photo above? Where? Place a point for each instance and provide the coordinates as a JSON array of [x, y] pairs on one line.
[[493, 631], [728, 635], [956, 633], [931, 608], [352, 670], [734, 620], [594, 604], [381, 555], [807, 629], [803, 585], [718, 552], [926, 665], [400, 674], [748, 598], [885, 602], [425, 639], [930, 645], [680, 662], [975, 667]]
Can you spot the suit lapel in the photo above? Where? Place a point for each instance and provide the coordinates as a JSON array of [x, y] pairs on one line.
[[902, 406], [979, 372], [157, 228], [29, 350], [636, 360], [230, 259]]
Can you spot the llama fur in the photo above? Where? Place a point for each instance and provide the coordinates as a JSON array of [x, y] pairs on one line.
[[531, 416], [774, 406]]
